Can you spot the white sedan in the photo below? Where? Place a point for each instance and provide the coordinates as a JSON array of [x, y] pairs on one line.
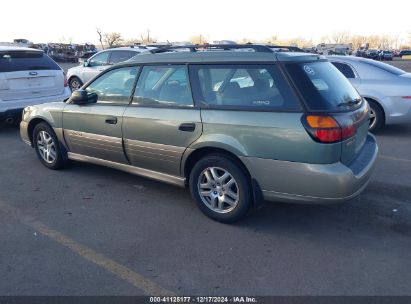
[[386, 88]]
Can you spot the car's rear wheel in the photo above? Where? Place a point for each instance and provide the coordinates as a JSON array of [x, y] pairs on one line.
[[48, 148], [75, 83], [376, 116], [220, 188]]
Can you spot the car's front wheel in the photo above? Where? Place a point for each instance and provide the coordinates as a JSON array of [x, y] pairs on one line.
[[75, 83], [220, 187], [376, 116], [48, 148]]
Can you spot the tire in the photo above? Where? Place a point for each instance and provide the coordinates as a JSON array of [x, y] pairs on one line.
[[227, 200], [75, 83], [377, 118], [48, 148]]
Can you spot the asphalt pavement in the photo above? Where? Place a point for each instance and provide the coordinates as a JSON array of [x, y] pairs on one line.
[[90, 230]]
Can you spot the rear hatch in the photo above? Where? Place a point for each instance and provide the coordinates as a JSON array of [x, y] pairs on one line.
[[336, 113], [29, 74]]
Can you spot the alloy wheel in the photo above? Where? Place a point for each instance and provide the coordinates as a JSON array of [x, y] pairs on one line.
[[218, 189], [373, 118], [46, 147], [75, 85]]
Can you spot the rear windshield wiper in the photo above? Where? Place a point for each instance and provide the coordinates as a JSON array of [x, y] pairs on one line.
[[350, 103]]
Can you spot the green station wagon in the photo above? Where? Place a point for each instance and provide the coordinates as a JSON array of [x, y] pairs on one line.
[[237, 125]]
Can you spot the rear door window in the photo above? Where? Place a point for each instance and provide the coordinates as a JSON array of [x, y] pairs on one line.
[[323, 87], [242, 86], [26, 61], [120, 56]]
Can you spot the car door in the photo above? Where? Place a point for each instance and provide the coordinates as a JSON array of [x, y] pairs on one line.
[[95, 65], [349, 72], [95, 129], [161, 122]]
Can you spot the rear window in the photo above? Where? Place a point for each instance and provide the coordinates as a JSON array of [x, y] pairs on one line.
[[323, 87], [26, 61]]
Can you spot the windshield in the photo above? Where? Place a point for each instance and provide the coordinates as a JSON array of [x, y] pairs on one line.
[[25, 61], [323, 87]]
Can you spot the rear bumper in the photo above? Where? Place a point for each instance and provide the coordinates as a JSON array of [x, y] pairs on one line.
[[13, 105], [294, 182]]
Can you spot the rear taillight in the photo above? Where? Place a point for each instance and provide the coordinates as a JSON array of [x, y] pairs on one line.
[[326, 129], [406, 97], [65, 80]]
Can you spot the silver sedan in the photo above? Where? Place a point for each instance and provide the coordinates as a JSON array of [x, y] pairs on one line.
[[386, 88]]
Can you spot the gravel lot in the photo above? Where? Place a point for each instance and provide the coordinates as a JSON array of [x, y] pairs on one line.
[[90, 230]]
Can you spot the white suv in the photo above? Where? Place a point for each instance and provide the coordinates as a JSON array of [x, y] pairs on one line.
[[79, 75], [28, 77]]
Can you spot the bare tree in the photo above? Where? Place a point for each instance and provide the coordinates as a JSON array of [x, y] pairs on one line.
[[272, 40], [112, 39], [147, 38], [200, 39], [358, 41], [338, 37], [132, 41], [100, 37]]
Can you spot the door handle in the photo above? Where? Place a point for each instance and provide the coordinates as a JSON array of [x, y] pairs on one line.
[[111, 120], [187, 127]]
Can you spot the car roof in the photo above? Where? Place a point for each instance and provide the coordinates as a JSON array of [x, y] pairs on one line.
[[17, 48], [222, 56]]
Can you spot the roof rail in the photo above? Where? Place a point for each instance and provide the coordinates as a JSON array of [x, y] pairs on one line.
[[209, 47]]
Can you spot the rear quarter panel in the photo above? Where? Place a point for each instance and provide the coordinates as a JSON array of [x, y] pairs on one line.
[[269, 135]]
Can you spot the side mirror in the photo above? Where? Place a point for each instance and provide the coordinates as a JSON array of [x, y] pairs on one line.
[[86, 63], [82, 97]]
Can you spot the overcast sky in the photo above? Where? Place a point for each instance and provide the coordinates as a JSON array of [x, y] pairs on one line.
[[177, 20]]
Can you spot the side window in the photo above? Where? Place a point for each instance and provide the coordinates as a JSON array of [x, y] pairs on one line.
[[345, 69], [115, 86], [243, 86], [163, 86], [120, 56], [99, 59]]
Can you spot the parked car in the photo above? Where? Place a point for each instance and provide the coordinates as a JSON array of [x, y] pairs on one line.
[[372, 54], [100, 61], [296, 131], [386, 55], [28, 77], [386, 88], [405, 53], [396, 53]]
